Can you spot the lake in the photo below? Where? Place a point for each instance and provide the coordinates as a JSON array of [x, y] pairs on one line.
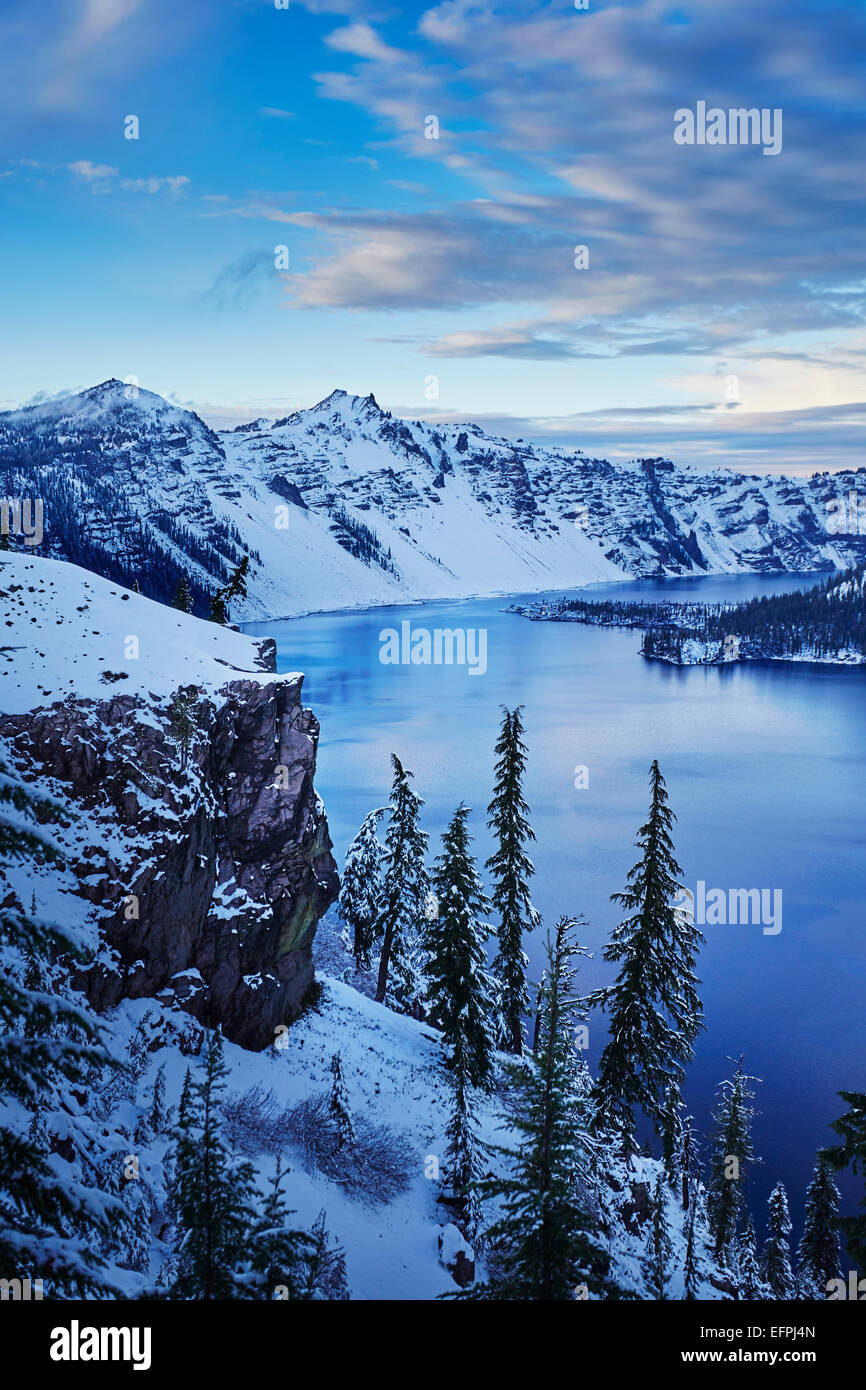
[[766, 770]]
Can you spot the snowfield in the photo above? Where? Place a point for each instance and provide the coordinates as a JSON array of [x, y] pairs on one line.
[[68, 633]]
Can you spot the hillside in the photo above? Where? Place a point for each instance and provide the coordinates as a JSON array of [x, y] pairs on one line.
[[342, 505]]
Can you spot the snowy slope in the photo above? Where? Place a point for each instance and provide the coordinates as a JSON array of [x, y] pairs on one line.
[[68, 632], [137, 488]]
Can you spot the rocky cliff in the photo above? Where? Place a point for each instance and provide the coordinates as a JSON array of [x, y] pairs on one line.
[[191, 827]]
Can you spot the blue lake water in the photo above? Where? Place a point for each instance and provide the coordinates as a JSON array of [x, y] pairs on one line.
[[766, 770]]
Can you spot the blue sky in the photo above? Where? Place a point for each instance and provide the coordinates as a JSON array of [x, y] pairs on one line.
[[720, 318]]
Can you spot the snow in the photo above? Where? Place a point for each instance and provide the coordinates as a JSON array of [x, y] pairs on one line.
[[66, 628]]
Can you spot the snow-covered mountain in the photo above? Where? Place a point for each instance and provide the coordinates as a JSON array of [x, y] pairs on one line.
[[344, 505]]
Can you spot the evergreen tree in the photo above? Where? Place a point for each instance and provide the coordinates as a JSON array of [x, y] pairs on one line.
[[777, 1250], [218, 610], [51, 1226], [237, 585], [459, 997], [544, 1239], [212, 1197], [852, 1151], [656, 1262], [751, 1281], [157, 1115], [183, 720], [691, 1270], [732, 1156], [818, 1254], [326, 1266], [280, 1258], [338, 1105], [511, 868], [405, 888], [459, 988], [182, 597], [655, 1011], [671, 1131], [361, 889]]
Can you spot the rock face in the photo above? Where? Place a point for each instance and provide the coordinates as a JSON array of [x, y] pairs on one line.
[[196, 832]]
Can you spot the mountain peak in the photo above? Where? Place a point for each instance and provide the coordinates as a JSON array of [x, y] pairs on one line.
[[362, 407]]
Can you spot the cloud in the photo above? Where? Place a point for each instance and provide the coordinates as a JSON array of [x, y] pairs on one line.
[[277, 113], [92, 173], [240, 280], [362, 41]]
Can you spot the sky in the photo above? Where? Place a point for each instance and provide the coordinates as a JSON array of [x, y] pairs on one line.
[[343, 193]]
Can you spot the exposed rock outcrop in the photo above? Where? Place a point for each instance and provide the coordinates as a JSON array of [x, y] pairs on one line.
[[196, 832]]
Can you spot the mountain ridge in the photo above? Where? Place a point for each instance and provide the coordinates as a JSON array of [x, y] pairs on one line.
[[341, 504]]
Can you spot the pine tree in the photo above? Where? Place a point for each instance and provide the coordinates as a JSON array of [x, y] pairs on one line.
[[751, 1281], [280, 1258], [852, 1151], [459, 988], [326, 1266], [405, 888], [691, 1269], [685, 1164], [777, 1250], [818, 1254], [732, 1156], [183, 720], [51, 1226], [459, 997], [212, 1197], [671, 1131], [157, 1114], [237, 585], [361, 889], [655, 1011], [545, 1239], [511, 868], [182, 600], [338, 1106], [219, 612], [656, 1262]]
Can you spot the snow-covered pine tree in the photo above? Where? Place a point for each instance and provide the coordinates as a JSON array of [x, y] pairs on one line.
[[818, 1254], [211, 1197], [405, 888], [182, 600], [326, 1266], [671, 1131], [655, 1010], [52, 1224], [279, 1258], [511, 869], [852, 1151], [545, 1240], [658, 1255], [750, 1279], [339, 1108], [686, 1160], [458, 985], [691, 1269], [157, 1114], [732, 1156], [360, 901], [777, 1249], [459, 1000]]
